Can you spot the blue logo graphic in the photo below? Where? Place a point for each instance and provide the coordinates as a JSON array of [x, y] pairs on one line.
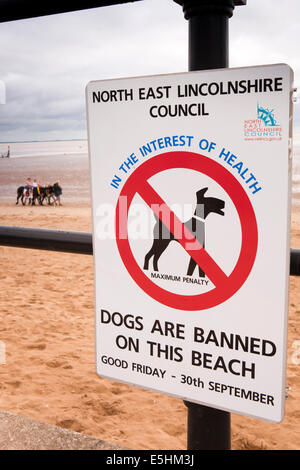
[[266, 116]]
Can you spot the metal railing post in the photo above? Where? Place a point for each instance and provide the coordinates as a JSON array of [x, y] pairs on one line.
[[208, 428]]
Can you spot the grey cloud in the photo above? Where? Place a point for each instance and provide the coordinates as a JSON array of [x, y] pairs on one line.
[[47, 62]]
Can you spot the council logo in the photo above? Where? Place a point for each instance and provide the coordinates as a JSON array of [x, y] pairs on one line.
[[264, 127]]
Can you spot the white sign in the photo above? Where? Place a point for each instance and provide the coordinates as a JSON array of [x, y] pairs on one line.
[[191, 228]]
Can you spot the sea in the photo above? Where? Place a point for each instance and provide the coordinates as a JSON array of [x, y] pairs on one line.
[[45, 149], [67, 161]]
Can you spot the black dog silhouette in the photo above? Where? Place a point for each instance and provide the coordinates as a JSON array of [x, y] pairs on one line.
[[196, 225]]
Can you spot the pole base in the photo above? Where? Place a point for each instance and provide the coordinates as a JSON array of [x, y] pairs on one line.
[[208, 428]]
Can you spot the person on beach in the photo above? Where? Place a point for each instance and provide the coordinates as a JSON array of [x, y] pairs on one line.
[[35, 192], [28, 187], [57, 192], [8, 153]]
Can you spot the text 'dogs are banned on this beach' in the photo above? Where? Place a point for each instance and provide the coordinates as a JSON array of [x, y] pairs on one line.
[[234, 356]]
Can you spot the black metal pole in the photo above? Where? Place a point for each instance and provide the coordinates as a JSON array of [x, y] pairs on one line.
[[208, 428], [213, 28]]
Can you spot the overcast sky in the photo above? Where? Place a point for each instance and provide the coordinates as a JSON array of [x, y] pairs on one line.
[[47, 62]]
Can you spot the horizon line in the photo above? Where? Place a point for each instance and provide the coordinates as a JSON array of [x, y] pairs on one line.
[[29, 141]]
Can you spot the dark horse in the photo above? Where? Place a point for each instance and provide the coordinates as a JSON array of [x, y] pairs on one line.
[[21, 195], [44, 194]]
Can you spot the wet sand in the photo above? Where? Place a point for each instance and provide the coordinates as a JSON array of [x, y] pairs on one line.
[[47, 324]]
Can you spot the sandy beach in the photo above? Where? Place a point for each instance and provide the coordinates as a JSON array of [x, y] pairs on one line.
[[47, 324]]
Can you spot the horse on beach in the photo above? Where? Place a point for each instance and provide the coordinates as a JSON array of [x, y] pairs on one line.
[[40, 195]]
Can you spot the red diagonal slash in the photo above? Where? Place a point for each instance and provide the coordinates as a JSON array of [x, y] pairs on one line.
[[225, 287], [187, 240]]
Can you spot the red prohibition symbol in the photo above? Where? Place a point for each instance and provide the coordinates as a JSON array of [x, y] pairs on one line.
[[225, 286]]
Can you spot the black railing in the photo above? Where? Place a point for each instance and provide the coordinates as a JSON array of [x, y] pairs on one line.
[[46, 239], [11, 10], [76, 242]]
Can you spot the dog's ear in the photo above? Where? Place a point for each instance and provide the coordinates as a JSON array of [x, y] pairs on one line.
[[200, 193]]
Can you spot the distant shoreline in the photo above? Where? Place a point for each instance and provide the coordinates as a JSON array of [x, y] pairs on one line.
[[33, 141]]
